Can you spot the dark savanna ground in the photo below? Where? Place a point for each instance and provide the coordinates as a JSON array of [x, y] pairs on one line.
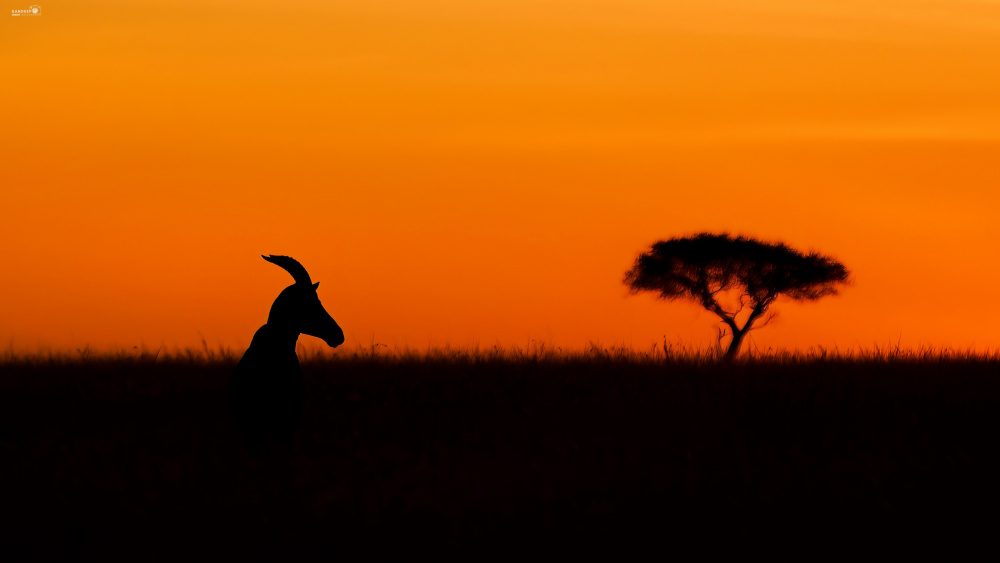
[[494, 455]]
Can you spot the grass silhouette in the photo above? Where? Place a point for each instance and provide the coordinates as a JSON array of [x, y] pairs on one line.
[[500, 452]]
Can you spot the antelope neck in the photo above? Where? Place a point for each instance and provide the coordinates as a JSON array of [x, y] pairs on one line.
[[282, 336]]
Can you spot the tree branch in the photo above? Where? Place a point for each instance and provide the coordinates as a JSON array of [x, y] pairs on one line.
[[708, 301], [767, 320], [759, 309]]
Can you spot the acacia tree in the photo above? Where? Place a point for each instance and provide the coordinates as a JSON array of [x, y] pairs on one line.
[[703, 267]]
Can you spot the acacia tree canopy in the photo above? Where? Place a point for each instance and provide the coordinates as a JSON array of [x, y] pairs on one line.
[[702, 266]]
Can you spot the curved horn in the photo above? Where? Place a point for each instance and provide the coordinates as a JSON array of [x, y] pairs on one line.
[[292, 266]]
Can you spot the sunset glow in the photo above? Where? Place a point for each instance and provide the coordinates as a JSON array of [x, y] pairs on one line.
[[461, 173]]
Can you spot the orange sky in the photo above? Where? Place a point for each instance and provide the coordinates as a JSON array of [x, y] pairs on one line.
[[462, 172]]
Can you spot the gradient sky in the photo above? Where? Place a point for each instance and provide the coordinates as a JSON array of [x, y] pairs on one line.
[[485, 172]]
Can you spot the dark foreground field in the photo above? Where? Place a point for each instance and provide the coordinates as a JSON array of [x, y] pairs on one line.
[[507, 457]]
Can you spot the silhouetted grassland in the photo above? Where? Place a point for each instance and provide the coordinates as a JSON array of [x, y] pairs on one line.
[[505, 453]]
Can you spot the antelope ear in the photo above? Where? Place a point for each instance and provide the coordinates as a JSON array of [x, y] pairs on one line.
[[315, 286]]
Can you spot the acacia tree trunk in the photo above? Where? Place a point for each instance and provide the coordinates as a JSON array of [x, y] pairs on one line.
[[738, 334], [734, 346]]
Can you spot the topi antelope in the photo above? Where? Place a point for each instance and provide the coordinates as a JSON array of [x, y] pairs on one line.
[[265, 391]]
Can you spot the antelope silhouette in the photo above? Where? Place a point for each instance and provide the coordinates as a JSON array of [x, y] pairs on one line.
[[265, 390]]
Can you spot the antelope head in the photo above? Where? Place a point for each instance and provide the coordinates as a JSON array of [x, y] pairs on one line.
[[298, 308]]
